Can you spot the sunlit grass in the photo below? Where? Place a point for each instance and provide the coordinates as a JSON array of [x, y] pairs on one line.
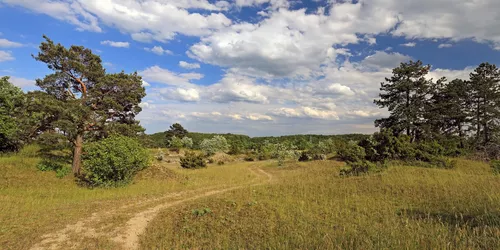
[[33, 203], [310, 206]]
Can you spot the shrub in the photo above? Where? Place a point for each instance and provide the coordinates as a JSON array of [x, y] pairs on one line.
[[53, 165], [220, 163], [193, 160], [160, 155], [113, 161], [351, 152], [304, 156], [216, 144], [361, 167], [495, 165], [248, 158]]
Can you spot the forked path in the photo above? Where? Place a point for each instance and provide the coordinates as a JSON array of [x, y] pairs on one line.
[[126, 235]]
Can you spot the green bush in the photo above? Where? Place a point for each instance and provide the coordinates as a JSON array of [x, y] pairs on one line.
[[52, 165], [495, 165], [304, 156], [193, 160], [351, 152], [249, 158], [361, 167], [113, 161]]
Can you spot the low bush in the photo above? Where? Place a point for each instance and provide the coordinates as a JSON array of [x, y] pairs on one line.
[[304, 156], [193, 160], [249, 158], [362, 167], [113, 161], [53, 165], [351, 152], [495, 166]]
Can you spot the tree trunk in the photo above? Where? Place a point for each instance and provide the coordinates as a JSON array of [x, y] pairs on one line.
[[77, 154], [461, 135]]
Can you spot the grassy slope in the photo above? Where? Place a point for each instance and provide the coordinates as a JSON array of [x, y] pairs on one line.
[[310, 206], [33, 203]]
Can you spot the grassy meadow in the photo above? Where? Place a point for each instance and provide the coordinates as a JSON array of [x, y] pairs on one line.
[[296, 206]]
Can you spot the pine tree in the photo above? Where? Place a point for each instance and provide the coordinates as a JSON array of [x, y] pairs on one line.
[[485, 96], [81, 101], [405, 95]]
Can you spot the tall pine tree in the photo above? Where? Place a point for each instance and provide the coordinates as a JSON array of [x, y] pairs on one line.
[[405, 95], [81, 101], [485, 96]]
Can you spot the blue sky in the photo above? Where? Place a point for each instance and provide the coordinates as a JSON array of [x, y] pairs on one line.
[[257, 67]]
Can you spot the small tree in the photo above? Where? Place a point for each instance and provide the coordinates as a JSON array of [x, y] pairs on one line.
[[216, 144], [187, 142], [175, 130], [192, 160]]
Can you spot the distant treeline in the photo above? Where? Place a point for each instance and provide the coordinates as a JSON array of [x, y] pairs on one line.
[[302, 142]]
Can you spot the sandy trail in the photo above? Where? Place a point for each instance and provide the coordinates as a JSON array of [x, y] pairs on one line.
[[127, 235]]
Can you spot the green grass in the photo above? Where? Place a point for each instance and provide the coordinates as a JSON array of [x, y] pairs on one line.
[[310, 206]]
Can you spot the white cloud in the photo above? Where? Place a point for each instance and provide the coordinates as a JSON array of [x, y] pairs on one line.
[[306, 112], [410, 44], [180, 94], [445, 45], [22, 82], [159, 50], [187, 65], [158, 20], [145, 84], [382, 59], [6, 56], [165, 76], [4, 43], [289, 43], [70, 11], [116, 44]]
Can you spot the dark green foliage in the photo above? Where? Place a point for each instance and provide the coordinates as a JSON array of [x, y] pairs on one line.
[[81, 100], [351, 152], [175, 130], [113, 161], [495, 166], [304, 156], [193, 160], [484, 92], [361, 167], [11, 104], [249, 158], [404, 95], [61, 169]]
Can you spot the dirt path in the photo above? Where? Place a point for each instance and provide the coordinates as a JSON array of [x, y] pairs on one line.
[[126, 235]]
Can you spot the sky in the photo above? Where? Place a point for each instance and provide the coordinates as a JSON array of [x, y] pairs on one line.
[[256, 67]]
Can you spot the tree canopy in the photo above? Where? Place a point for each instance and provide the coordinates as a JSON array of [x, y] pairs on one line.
[[81, 100]]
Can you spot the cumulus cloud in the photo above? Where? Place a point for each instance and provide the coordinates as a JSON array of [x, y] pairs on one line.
[[159, 50], [187, 65], [306, 112], [410, 44], [4, 43], [22, 82], [382, 59], [70, 11], [116, 44], [6, 56], [145, 20], [165, 76], [445, 45], [180, 94]]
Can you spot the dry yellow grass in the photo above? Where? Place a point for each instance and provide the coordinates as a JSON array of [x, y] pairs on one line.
[[300, 205]]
